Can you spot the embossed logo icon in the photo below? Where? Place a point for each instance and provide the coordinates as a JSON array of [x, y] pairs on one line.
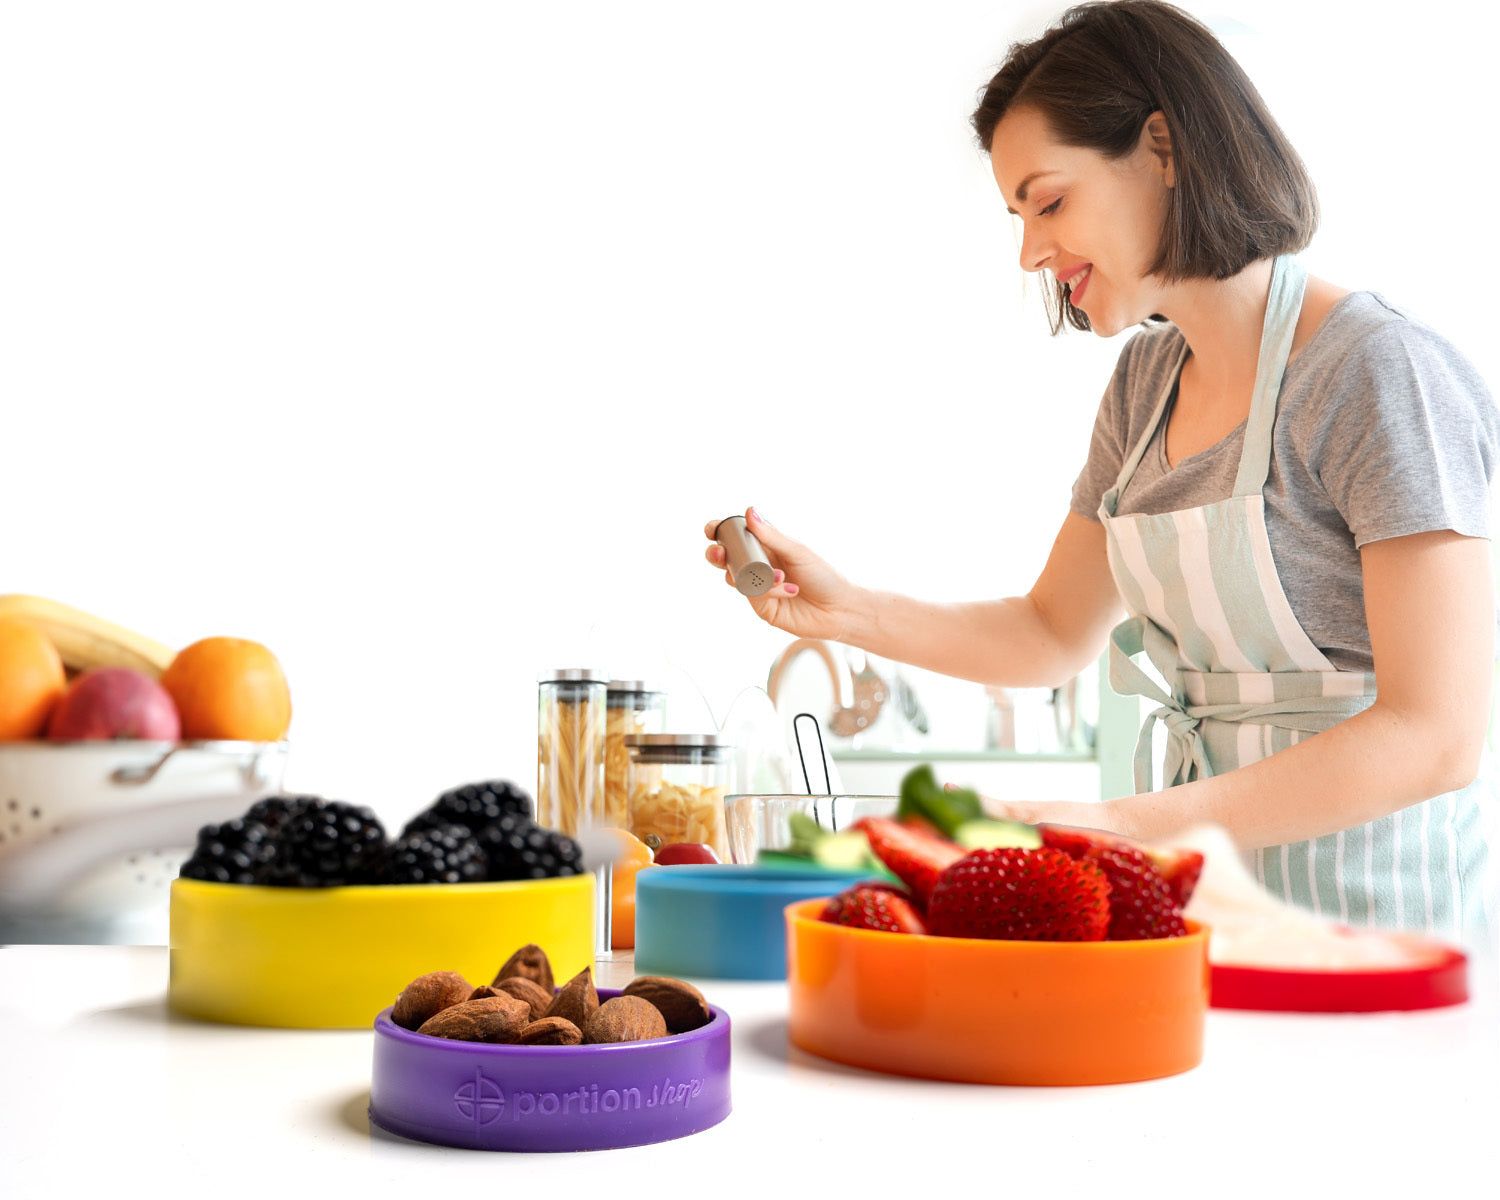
[[480, 1100]]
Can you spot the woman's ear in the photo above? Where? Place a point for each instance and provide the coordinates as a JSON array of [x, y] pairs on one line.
[[1156, 139]]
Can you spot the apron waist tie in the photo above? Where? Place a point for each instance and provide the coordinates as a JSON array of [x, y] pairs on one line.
[[1186, 758]]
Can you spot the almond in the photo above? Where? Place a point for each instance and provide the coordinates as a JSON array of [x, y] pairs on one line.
[[576, 1000], [530, 961], [528, 990], [550, 1031], [427, 995], [497, 1019], [624, 1019], [681, 1005]]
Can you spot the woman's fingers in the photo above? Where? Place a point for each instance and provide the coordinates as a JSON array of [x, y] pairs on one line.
[[757, 527], [780, 547], [768, 535]]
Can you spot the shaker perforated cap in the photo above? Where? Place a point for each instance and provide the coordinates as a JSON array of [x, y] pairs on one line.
[[744, 557]]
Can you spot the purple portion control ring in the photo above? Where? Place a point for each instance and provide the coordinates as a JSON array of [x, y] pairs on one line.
[[478, 1096]]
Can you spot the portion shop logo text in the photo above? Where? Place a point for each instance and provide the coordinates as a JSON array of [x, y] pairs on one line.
[[484, 1101]]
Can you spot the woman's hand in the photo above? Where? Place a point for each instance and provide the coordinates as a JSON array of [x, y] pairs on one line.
[[810, 599], [1085, 814]]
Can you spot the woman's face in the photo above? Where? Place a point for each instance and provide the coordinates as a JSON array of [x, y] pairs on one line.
[[1095, 223]]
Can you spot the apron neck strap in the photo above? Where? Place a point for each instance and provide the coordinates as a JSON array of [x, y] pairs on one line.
[[1288, 282], [1133, 459]]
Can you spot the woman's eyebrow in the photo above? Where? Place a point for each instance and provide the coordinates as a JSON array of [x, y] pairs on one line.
[[1024, 186]]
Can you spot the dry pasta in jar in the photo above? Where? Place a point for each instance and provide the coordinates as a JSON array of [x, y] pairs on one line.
[[677, 787], [570, 750], [631, 709]]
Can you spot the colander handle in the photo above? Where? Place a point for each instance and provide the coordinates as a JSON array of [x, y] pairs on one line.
[[251, 769], [33, 876]]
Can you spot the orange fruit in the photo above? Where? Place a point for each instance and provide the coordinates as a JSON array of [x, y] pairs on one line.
[[32, 677], [229, 688], [634, 855]]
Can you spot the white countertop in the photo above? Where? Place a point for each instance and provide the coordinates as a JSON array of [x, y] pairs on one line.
[[104, 1088]]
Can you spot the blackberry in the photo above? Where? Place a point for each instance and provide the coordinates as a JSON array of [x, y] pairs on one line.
[[475, 805], [328, 843], [437, 854], [518, 848], [274, 811], [237, 851]]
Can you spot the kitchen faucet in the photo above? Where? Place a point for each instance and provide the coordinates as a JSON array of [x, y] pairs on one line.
[[857, 695]]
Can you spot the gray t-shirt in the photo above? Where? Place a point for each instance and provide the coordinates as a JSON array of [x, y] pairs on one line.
[[1382, 429]]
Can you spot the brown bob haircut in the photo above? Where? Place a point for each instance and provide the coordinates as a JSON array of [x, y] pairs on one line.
[[1241, 191]]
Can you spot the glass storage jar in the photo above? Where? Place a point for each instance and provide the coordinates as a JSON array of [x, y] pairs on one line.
[[570, 749], [678, 782], [632, 708]]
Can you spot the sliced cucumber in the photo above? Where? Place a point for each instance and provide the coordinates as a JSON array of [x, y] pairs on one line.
[[804, 832], [989, 833], [780, 860], [784, 858], [848, 851]]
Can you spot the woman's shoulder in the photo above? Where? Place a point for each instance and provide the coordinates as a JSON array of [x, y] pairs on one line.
[[1371, 363], [1367, 335]]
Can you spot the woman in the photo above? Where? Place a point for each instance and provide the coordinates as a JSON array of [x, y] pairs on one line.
[[1286, 498]]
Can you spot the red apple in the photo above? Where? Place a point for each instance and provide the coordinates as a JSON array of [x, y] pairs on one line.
[[685, 852], [104, 703]]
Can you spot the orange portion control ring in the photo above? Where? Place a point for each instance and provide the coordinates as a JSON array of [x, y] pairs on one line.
[[998, 1012], [634, 855]]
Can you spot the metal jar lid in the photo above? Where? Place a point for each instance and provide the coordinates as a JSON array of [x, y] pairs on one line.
[[677, 747], [573, 675], [627, 693]]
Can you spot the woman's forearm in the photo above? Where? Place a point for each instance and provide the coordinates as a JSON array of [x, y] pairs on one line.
[[1041, 639], [1000, 642], [1362, 769]]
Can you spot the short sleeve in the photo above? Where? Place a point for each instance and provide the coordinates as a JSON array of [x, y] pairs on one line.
[[1406, 437]]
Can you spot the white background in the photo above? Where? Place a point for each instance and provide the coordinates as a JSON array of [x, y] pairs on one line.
[[419, 341]]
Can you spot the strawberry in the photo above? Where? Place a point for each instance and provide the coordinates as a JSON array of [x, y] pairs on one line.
[[1030, 895], [1145, 899], [1141, 902], [1077, 841], [874, 906], [1180, 867], [921, 825], [913, 857]]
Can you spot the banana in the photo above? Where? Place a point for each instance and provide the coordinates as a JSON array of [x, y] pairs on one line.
[[84, 640]]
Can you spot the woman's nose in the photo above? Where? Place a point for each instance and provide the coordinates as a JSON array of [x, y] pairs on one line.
[[1036, 250]]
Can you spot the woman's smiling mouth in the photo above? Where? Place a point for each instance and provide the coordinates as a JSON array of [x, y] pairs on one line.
[[1076, 279]]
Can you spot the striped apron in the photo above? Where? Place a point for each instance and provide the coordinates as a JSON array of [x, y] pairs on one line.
[[1237, 679]]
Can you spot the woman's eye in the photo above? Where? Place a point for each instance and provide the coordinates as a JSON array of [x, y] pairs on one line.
[[1050, 209]]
